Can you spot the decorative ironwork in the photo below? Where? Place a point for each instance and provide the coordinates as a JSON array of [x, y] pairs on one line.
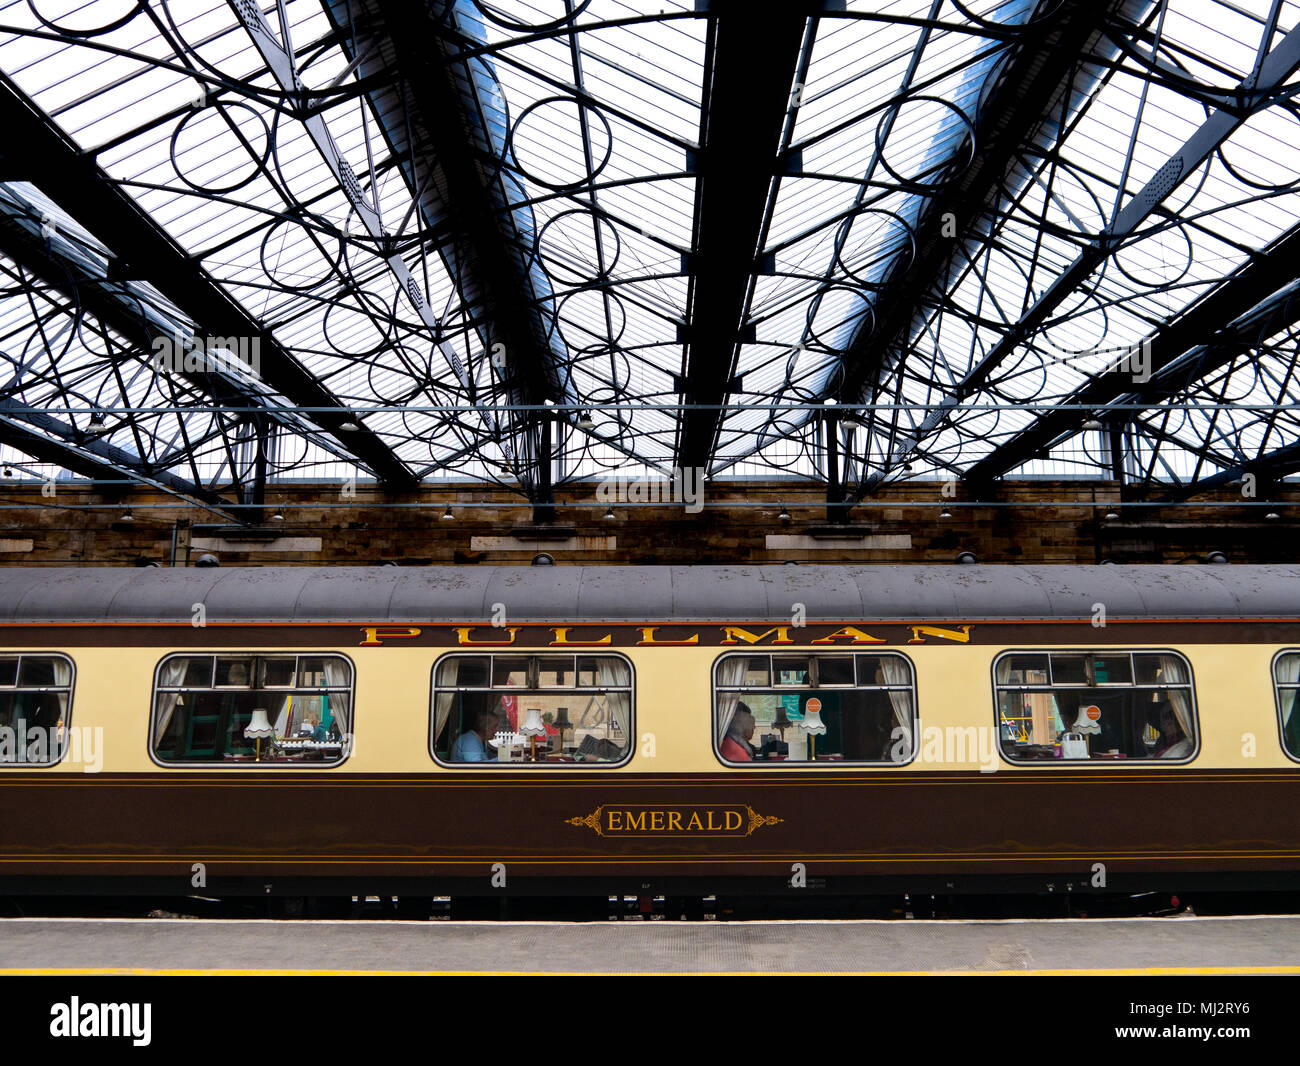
[[481, 207]]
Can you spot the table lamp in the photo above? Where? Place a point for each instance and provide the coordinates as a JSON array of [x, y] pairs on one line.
[[813, 725], [782, 721], [257, 728], [533, 728]]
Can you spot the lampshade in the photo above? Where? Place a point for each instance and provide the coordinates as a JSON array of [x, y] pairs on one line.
[[781, 721], [533, 725], [812, 718], [259, 726], [1088, 720]]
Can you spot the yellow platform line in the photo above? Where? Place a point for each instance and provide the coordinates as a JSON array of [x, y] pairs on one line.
[[1144, 971]]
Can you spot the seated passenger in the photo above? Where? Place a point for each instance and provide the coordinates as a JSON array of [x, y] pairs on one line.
[[471, 745], [735, 745], [1172, 744]]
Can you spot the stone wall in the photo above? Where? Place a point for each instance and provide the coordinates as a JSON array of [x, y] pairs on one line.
[[1029, 521]]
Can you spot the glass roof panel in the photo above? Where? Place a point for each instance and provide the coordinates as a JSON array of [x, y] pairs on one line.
[[387, 228]]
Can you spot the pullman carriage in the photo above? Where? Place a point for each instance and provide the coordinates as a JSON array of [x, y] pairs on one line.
[[584, 730]]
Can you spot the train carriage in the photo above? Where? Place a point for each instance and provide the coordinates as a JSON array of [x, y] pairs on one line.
[[677, 730]]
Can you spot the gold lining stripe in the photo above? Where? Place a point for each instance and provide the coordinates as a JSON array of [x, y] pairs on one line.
[[637, 859], [179, 777], [1152, 971]]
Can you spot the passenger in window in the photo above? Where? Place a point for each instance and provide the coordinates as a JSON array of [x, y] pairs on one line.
[[312, 730], [1172, 744], [735, 746], [471, 745]]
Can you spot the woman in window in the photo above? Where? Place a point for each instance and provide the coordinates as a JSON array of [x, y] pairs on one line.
[[1172, 744], [471, 745], [735, 745]]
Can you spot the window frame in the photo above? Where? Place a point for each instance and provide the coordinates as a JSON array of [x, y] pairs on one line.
[[16, 687], [1277, 700], [539, 653], [221, 764], [774, 689], [1110, 764]]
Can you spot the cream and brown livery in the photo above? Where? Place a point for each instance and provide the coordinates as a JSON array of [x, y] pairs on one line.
[[610, 692]]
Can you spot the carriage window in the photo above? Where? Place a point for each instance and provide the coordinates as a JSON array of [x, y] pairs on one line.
[[532, 710], [1095, 706], [35, 697], [835, 708], [244, 709], [1286, 675]]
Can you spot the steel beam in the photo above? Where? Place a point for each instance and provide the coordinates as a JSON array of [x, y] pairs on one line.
[[1273, 465], [459, 185], [1043, 69], [1254, 91], [1252, 304], [755, 62], [42, 154], [52, 440], [130, 312]]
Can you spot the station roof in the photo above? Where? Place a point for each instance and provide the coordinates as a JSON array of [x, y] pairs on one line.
[[524, 242]]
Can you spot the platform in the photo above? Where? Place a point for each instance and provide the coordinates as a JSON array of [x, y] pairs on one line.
[[1183, 945]]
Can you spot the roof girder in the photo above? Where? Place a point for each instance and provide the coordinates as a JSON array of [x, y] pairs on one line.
[[1043, 67], [76, 183], [1212, 317], [737, 164], [63, 445], [489, 266], [1280, 63]]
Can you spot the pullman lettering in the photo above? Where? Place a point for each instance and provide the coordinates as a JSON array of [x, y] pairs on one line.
[[663, 635]]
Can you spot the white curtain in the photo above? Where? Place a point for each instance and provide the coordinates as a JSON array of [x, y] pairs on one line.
[[730, 673], [338, 674], [897, 672], [442, 711], [173, 673], [62, 672], [1288, 673], [1172, 672], [448, 675], [62, 675], [614, 672]]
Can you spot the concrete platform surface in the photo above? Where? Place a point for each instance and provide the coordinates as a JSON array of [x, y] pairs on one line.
[[1266, 944]]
